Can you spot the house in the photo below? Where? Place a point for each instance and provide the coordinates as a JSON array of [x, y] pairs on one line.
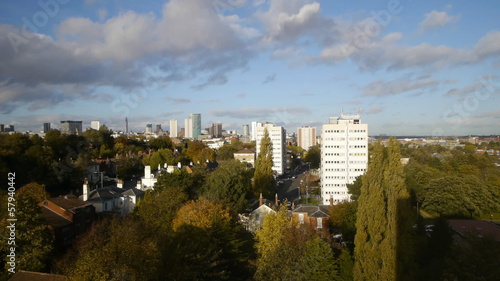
[[254, 220], [245, 155], [480, 228], [113, 198], [22, 275], [68, 217], [316, 216]]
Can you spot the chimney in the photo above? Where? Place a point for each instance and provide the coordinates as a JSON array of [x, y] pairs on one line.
[[261, 200], [293, 205], [331, 200], [276, 199], [138, 186], [85, 190], [119, 183], [147, 172]]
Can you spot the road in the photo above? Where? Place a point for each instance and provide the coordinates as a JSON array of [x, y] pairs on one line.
[[289, 188]]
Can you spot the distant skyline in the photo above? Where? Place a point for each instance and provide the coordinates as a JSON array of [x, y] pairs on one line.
[[410, 67]]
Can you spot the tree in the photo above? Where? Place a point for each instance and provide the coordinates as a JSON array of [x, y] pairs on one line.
[[346, 266], [34, 241], [313, 156], [163, 142], [114, 249], [320, 261], [263, 179], [230, 184], [343, 216], [382, 243], [202, 214]]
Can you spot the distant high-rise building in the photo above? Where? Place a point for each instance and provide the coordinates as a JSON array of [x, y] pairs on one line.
[[173, 128], [149, 128], [71, 127], [126, 125], [9, 128], [2, 128], [158, 130], [344, 155], [278, 139], [188, 128], [246, 131], [196, 121], [216, 130], [306, 137], [46, 127], [95, 124]]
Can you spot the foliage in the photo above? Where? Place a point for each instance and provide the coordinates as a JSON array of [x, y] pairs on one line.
[[114, 249], [459, 196], [163, 142], [198, 152], [230, 184], [33, 243], [383, 249], [263, 179], [355, 188], [313, 156], [202, 214], [320, 261], [346, 266], [343, 216]]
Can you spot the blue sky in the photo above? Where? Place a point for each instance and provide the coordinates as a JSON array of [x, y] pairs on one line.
[[410, 67]]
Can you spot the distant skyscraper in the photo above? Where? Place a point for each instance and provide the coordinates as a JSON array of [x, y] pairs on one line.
[[9, 128], [216, 130], [188, 128], [71, 127], [95, 125], [126, 125], [196, 120], [173, 128], [278, 139], [46, 127], [344, 155], [246, 131], [158, 129], [2, 127], [149, 128], [306, 137]]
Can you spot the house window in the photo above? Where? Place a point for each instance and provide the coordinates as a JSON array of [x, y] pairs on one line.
[[319, 223], [301, 218]]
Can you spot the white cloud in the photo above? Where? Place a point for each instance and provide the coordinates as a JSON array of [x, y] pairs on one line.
[[437, 19], [381, 87]]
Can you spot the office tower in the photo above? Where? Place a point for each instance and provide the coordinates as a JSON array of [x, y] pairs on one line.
[[255, 125], [173, 128], [196, 124], [344, 155], [306, 137], [278, 139], [2, 128], [95, 125], [158, 130], [46, 127], [8, 128], [246, 131], [216, 130], [71, 127], [149, 128], [188, 128]]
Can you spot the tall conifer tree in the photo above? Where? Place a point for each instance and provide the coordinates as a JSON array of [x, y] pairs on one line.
[[382, 250], [263, 179]]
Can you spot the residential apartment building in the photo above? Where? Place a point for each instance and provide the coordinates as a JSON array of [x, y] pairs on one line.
[[188, 128], [95, 125], [344, 155], [71, 127], [278, 139], [306, 137], [173, 128]]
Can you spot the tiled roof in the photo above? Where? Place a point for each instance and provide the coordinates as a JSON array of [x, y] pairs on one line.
[[36, 276], [134, 192], [478, 227], [68, 202], [314, 211], [53, 219], [245, 151], [104, 194]]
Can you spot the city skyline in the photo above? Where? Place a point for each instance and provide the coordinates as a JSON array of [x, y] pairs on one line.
[[410, 67]]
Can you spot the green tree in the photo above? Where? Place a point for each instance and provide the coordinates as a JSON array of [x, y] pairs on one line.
[[230, 184], [313, 156], [383, 250], [320, 261], [343, 216], [346, 266], [163, 142], [263, 179]]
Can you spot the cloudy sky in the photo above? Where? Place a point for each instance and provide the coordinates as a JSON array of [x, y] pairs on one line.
[[410, 67]]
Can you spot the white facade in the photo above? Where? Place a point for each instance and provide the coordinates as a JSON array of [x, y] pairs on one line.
[[173, 128], [344, 155], [95, 125], [188, 128], [306, 137], [255, 125], [278, 139]]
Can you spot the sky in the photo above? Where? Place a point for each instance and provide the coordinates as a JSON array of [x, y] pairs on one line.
[[408, 67]]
